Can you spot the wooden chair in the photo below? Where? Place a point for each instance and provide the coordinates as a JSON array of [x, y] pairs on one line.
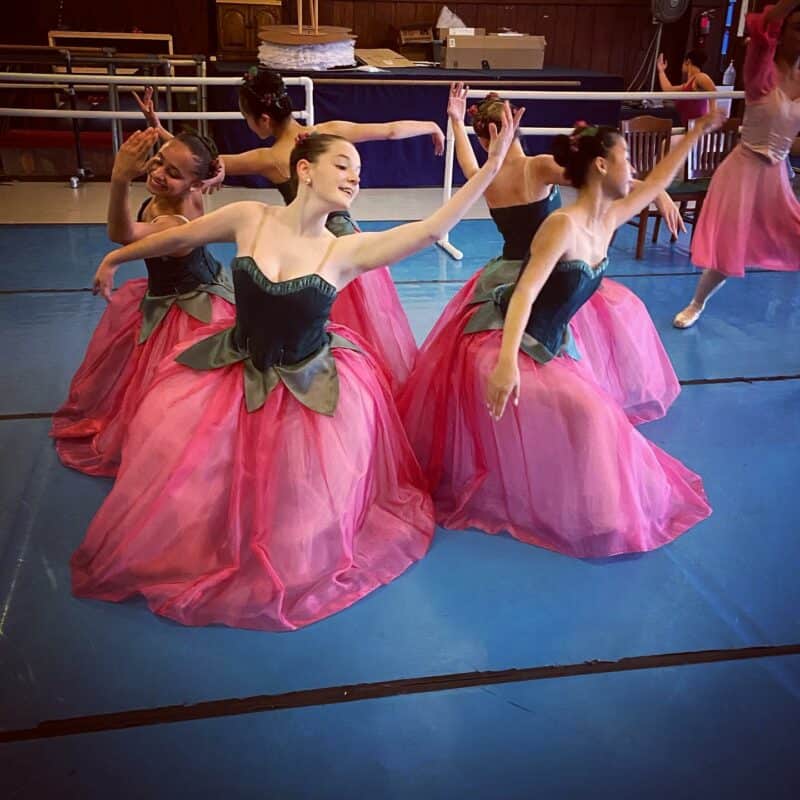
[[648, 141], [705, 157]]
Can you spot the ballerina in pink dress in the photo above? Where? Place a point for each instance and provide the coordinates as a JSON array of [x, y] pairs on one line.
[[613, 330], [564, 468], [267, 481], [370, 306], [145, 318], [751, 216]]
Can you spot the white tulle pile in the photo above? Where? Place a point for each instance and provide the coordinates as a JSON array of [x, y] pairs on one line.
[[307, 57]]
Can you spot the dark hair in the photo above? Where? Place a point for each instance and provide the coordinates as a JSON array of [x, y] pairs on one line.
[[697, 57], [263, 92], [786, 19], [309, 147], [576, 152], [204, 151], [489, 110]]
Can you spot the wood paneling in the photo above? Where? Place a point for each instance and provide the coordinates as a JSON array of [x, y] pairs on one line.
[[604, 35], [191, 22]]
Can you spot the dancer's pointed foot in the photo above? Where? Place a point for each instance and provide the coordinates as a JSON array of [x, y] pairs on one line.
[[689, 315]]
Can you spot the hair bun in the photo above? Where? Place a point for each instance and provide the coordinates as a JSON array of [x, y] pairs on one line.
[[561, 149], [576, 152], [264, 92]]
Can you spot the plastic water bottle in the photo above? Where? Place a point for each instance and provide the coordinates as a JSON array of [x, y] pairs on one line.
[[729, 76]]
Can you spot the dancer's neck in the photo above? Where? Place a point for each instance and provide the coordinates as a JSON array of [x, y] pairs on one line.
[[593, 203], [306, 215]]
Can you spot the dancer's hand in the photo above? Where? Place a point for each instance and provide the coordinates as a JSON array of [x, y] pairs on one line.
[[672, 216], [710, 122], [131, 160], [438, 141], [500, 141], [457, 102], [661, 64], [214, 183], [503, 382], [147, 107], [103, 283]]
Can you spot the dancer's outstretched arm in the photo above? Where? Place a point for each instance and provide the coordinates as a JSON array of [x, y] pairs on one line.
[[147, 107], [356, 254], [663, 173], [544, 169], [259, 161], [663, 80], [218, 226], [550, 243], [456, 109], [356, 132]]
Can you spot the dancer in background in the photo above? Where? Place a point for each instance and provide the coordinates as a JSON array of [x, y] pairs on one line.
[[267, 481], [369, 306], [751, 216], [563, 468], [694, 80], [613, 331], [146, 318]]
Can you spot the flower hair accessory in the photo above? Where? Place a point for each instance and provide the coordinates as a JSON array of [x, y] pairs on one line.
[[582, 128], [268, 98], [301, 137]]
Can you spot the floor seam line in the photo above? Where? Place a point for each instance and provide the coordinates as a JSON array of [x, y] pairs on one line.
[[305, 698]]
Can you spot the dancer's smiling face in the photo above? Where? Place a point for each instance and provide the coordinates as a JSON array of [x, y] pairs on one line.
[[172, 171], [334, 173]]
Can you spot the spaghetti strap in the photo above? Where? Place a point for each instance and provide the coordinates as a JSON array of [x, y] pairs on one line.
[[325, 257], [258, 231], [525, 178], [177, 216]]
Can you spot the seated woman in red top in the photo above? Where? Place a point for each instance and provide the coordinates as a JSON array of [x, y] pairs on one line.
[[695, 80]]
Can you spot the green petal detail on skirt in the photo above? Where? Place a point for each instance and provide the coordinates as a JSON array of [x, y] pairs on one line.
[[313, 382], [196, 303], [490, 317]]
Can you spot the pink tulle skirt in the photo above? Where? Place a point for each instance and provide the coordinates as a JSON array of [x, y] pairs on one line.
[[750, 217], [370, 306], [269, 520], [565, 469], [621, 347], [105, 391], [617, 340]]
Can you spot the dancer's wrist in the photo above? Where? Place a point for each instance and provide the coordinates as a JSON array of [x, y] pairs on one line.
[[493, 162], [122, 176]]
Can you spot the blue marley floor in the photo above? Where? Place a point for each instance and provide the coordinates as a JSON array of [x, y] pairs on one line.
[[491, 669]]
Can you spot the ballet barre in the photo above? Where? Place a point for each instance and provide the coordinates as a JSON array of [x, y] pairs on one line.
[[57, 113], [115, 115]]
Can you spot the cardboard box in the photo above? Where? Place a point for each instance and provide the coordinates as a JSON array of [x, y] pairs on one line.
[[443, 33], [498, 52], [412, 34], [383, 58]]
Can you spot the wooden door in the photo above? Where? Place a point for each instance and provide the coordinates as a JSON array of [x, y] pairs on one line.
[[233, 28]]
